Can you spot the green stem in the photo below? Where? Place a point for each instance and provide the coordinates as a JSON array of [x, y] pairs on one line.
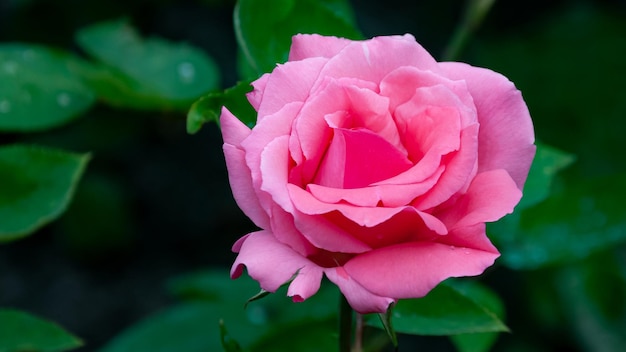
[[475, 12], [358, 334], [345, 325]]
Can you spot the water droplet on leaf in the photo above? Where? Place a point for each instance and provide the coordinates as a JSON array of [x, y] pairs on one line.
[[64, 99], [5, 106], [28, 54], [186, 72], [9, 67]]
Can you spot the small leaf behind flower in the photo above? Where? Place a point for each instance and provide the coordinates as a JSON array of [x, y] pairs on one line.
[[264, 28], [208, 108], [446, 310], [548, 162]]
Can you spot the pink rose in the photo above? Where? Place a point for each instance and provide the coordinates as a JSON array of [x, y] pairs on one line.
[[375, 165]]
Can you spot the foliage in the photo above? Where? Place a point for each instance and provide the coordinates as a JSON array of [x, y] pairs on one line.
[[113, 80]]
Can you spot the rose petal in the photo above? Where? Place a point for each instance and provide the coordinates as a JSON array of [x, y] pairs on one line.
[[240, 181], [357, 158], [371, 196], [370, 110], [263, 133], [490, 196], [411, 270], [363, 216], [272, 264], [407, 225], [325, 235], [233, 130], [460, 168], [256, 96], [312, 128], [285, 231], [274, 170], [506, 132], [289, 83], [401, 84], [359, 298], [304, 46], [370, 60], [469, 237]]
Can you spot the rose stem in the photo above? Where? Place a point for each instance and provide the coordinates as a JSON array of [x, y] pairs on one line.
[[475, 12], [345, 325], [358, 334]]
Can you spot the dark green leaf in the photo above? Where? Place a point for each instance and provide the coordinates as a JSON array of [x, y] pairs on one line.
[[40, 88], [303, 336], [22, 332], [145, 73], [446, 310], [548, 162], [264, 27], [478, 342], [194, 325], [37, 185], [208, 108], [583, 217], [216, 286], [188, 327]]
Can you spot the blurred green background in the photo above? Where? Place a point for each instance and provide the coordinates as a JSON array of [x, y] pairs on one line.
[[154, 202]]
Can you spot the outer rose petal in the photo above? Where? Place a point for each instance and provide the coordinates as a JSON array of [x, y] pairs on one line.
[[411, 270], [233, 130], [491, 195], [359, 298], [272, 264], [373, 59], [304, 46], [288, 83], [256, 96], [506, 136], [241, 185]]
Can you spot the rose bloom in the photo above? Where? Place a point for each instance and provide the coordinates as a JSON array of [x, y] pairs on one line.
[[376, 166]]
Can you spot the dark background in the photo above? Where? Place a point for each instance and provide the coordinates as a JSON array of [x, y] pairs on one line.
[[155, 201]]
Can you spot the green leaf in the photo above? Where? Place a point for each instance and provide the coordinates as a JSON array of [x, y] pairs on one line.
[[40, 88], [37, 185], [584, 216], [208, 108], [216, 286], [21, 332], [547, 163], [302, 336], [145, 73], [446, 310], [193, 326], [264, 27], [478, 342], [187, 327]]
